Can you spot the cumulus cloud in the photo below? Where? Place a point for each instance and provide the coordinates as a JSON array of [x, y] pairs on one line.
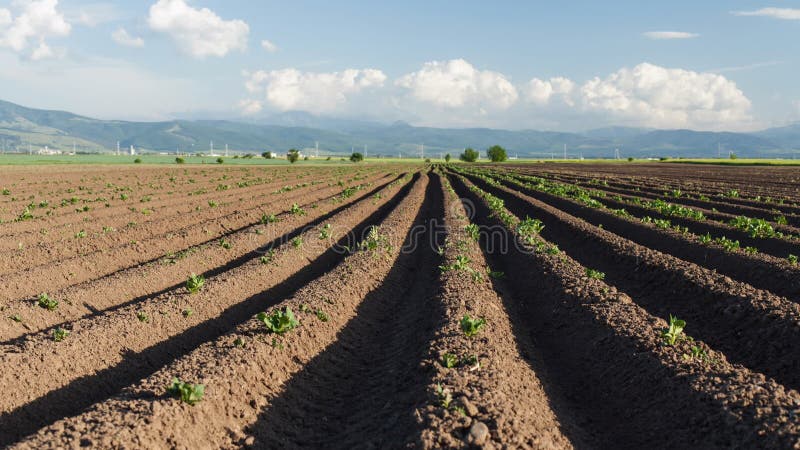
[[660, 97], [198, 32], [269, 46], [457, 84], [669, 35], [291, 89], [122, 37], [35, 21], [775, 13], [540, 92]]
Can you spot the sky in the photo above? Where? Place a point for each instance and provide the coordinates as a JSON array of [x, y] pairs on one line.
[[568, 65]]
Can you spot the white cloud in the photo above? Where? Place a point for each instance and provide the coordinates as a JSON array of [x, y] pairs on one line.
[[250, 106], [775, 13], [35, 21], [458, 84], [122, 37], [660, 97], [198, 32], [92, 14], [669, 35], [291, 89], [540, 92], [269, 46]]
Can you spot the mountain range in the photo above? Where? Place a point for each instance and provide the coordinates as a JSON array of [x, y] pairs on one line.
[[23, 129]]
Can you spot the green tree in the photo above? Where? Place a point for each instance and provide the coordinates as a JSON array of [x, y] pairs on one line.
[[447, 158], [356, 157], [469, 155], [496, 153], [220, 160], [293, 155], [267, 155]]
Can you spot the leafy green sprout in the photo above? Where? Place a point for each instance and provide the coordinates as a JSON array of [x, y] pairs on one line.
[[325, 231], [495, 274], [595, 274], [297, 241], [226, 244], [297, 210], [268, 218], [449, 360], [321, 315], [461, 263], [674, 333], [59, 334], [187, 312], [443, 396], [15, 318], [471, 327], [792, 259], [194, 283], [280, 321], [471, 361], [142, 316], [44, 301], [239, 342], [304, 308], [473, 231], [186, 392]]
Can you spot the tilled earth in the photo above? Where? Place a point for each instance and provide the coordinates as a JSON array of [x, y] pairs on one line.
[[431, 314]]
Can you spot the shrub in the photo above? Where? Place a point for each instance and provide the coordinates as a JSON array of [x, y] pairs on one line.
[[220, 160], [496, 153], [447, 158], [179, 160], [293, 155], [137, 161], [356, 157], [469, 155]]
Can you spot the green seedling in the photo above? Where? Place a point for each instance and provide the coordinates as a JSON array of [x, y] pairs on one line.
[[195, 283], [80, 234], [321, 315], [471, 327], [473, 231], [59, 334], [187, 312], [697, 353], [186, 392], [443, 396], [792, 259], [239, 342], [268, 218], [280, 321], [226, 244], [16, 318], [495, 274], [461, 263], [325, 232], [304, 308], [449, 360], [705, 239], [297, 242], [674, 333], [529, 229], [596, 274], [142, 316], [297, 210], [44, 301], [374, 240], [212, 204]]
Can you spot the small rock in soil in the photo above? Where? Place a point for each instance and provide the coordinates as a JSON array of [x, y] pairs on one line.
[[478, 433]]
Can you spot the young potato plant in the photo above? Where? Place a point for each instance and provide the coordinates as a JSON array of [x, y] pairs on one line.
[[142, 316], [322, 315], [596, 274], [461, 263], [449, 360], [226, 244], [59, 334], [44, 301], [529, 229], [186, 392], [297, 210], [471, 327], [195, 283], [674, 333], [473, 231], [280, 321], [792, 259], [325, 232], [297, 241]]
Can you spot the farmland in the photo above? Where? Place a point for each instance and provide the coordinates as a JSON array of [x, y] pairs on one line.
[[400, 305]]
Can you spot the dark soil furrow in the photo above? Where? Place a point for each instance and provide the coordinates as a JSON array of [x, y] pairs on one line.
[[362, 391], [620, 385], [94, 363], [751, 327]]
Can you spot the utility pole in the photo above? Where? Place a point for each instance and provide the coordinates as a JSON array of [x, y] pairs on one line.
[[316, 146], [212, 147], [565, 152], [226, 150]]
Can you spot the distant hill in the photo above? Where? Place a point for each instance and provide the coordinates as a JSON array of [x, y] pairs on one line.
[[22, 128]]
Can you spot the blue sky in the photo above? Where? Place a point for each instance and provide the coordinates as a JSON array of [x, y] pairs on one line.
[[566, 66]]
